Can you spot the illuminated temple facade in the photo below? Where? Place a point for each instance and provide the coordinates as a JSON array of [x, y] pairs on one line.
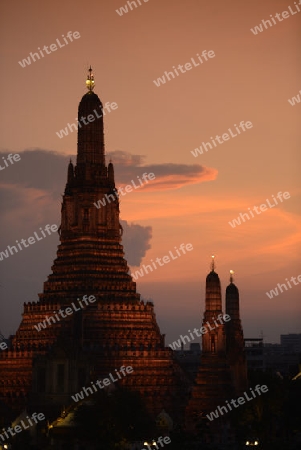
[[222, 373], [46, 367], [43, 368]]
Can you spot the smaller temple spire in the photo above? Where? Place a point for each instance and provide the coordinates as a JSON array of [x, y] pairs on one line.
[[70, 172], [212, 263], [231, 276], [90, 83]]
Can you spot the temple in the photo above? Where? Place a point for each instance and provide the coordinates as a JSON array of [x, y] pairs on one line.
[[222, 374], [44, 368], [53, 356]]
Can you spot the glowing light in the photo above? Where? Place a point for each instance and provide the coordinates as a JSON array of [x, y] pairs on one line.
[[90, 80]]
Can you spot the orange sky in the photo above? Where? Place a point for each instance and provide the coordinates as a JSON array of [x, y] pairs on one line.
[[251, 78]]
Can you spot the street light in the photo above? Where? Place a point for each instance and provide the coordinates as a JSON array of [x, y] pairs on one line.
[[252, 443], [149, 444]]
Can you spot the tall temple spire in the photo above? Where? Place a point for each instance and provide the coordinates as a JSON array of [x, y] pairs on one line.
[[212, 263], [213, 383], [90, 229], [117, 328], [90, 144], [232, 299], [235, 339], [213, 290]]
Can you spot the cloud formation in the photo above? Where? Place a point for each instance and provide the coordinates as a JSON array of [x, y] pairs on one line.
[[46, 169], [32, 188], [136, 241], [168, 175], [38, 169]]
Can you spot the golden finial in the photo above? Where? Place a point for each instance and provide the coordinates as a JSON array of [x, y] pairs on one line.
[[212, 264], [231, 276], [90, 80]]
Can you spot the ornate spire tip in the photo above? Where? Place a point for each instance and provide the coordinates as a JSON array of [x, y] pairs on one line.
[[90, 80]]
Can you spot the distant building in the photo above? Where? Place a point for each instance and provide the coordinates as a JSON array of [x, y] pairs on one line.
[[190, 359], [281, 358], [254, 353], [291, 342]]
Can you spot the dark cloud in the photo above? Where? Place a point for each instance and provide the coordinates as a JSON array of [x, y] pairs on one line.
[[32, 187], [39, 169], [168, 175], [47, 170]]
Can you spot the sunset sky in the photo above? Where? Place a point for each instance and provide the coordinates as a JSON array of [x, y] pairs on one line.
[[154, 130]]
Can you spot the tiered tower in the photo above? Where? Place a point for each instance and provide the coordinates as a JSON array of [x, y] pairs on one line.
[[213, 382], [235, 339], [118, 328]]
